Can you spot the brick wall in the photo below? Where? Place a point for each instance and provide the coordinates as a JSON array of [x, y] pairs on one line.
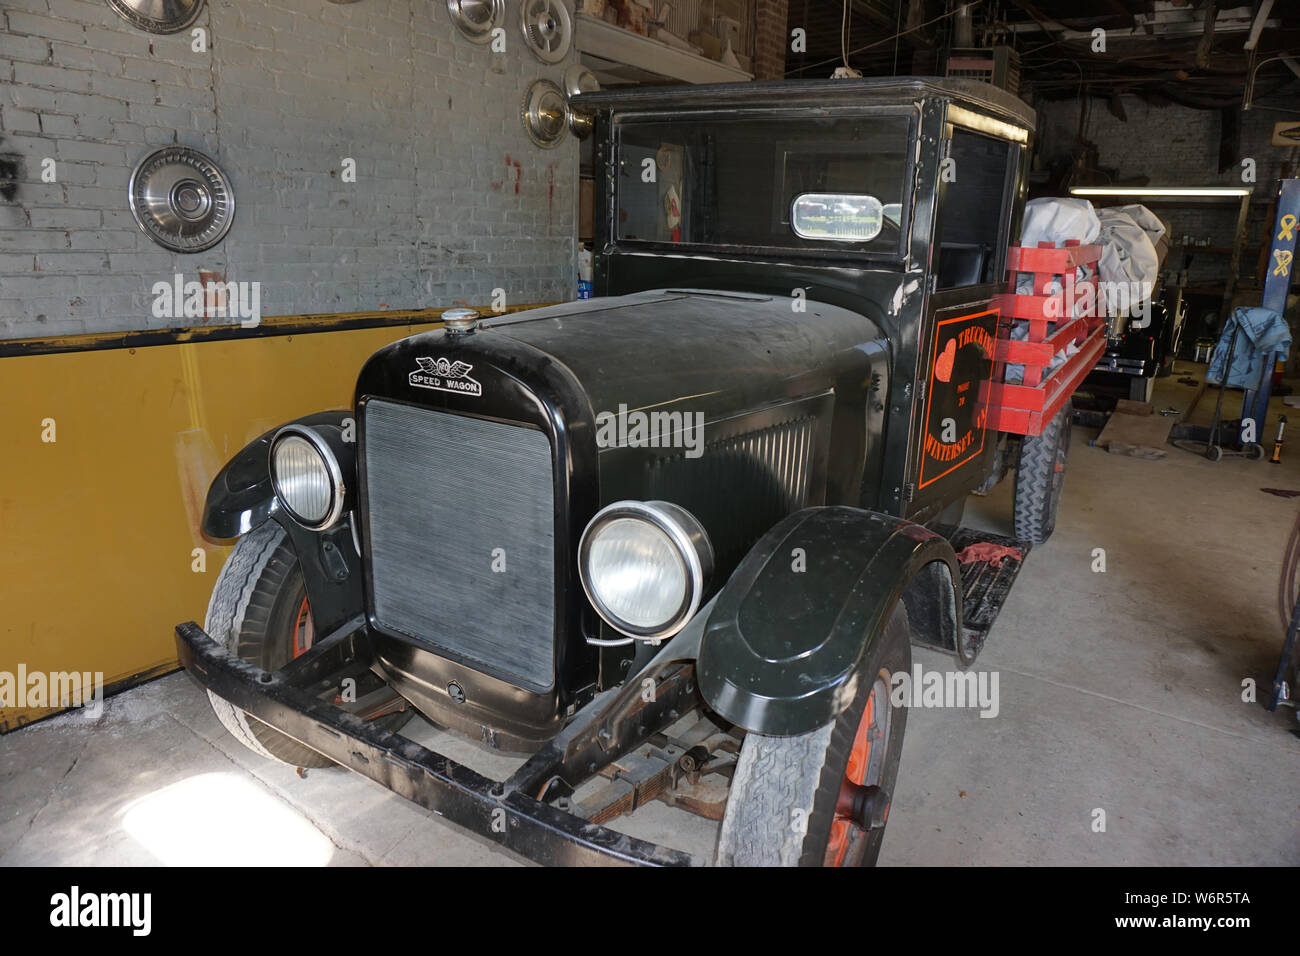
[[1178, 146], [770, 39], [451, 199]]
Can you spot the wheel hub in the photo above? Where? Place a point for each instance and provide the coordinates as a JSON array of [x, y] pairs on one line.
[[866, 807], [861, 807]]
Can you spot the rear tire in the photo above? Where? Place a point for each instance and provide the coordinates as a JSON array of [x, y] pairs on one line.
[[781, 810], [1040, 478]]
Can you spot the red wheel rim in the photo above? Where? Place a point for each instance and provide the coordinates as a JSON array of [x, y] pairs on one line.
[[869, 742], [304, 632]]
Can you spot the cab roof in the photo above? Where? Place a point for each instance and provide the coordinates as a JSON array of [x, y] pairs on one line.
[[866, 91]]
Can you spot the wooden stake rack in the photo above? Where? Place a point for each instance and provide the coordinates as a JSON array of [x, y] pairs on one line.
[[1054, 322]]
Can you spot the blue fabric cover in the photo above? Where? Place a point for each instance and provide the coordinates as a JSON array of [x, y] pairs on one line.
[[1260, 334]]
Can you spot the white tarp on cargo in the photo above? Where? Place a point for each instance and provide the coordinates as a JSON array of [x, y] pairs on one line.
[[1128, 268], [1151, 224], [1055, 219], [1127, 234], [1128, 259]]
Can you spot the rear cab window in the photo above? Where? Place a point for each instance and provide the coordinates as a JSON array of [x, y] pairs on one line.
[[827, 183]]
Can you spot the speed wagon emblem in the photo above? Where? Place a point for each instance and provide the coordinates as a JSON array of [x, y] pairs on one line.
[[445, 376]]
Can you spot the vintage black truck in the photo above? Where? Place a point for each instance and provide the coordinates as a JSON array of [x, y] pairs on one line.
[[673, 541]]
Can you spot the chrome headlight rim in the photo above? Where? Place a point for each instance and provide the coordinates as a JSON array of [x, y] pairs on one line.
[[338, 490], [689, 539]]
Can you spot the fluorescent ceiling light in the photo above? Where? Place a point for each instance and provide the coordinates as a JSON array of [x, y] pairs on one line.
[[1159, 191]]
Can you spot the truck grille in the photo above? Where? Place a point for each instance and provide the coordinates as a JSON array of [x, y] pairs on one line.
[[748, 482], [449, 498]]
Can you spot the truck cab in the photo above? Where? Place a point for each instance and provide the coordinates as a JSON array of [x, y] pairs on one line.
[[674, 541]]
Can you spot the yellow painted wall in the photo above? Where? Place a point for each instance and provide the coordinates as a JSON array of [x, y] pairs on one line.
[[97, 528]]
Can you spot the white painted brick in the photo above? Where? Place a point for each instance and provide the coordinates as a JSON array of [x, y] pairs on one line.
[[28, 6], [29, 49], [119, 88], [16, 264], [75, 174], [37, 193], [299, 84], [29, 284], [105, 240], [29, 240], [147, 114], [182, 97], [153, 262], [35, 24], [86, 151], [103, 197], [15, 120], [159, 136], [55, 217], [87, 12], [81, 57], [74, 263]]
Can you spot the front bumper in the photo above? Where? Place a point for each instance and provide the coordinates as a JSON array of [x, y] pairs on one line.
[[500, 811]]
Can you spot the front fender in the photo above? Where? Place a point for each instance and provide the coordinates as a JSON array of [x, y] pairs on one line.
[[784, 646], [240, 497]]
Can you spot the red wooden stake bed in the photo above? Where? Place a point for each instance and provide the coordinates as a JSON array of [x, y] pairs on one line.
[[1054, 321]]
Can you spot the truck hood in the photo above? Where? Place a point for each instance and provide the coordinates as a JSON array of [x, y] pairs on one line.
[[713, 352]]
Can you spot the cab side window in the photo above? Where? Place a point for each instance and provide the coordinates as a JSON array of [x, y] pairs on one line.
[[976, 183]]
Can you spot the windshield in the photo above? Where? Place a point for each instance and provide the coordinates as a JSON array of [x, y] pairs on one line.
[[735, 182]]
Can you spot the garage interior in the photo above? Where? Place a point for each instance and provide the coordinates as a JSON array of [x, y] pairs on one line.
[[391, 160]]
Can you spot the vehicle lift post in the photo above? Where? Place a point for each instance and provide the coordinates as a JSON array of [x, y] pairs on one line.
[[1277, 282]]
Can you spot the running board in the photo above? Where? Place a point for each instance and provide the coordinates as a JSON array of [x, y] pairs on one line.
[[984, 587]]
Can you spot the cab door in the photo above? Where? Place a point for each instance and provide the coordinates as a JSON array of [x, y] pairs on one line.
[[978, 200]]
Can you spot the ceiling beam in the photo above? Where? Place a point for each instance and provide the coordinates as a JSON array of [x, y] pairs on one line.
[[1120, 10], [1257, 27], [1207, 37], [874, 14], [1045, 23]]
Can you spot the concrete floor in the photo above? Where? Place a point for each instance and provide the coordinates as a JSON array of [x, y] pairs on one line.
[[1119, 691]]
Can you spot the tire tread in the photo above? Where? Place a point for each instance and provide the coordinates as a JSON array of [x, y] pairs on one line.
[[240, 607], [1034, 515]]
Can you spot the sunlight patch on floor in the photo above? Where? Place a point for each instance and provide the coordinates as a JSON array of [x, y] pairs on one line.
[[223, 819]]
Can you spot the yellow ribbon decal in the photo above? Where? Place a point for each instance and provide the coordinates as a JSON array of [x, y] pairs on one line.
[[1283, 257], [1288, 223]]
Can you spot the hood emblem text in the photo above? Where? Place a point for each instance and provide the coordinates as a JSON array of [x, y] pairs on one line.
[[445, 376]]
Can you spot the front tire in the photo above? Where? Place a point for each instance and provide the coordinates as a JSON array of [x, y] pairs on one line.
[[785, 804], [259, 613], [256, 614]]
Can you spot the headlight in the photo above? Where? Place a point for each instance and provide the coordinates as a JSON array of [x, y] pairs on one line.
[[644, 565], [306, 477]]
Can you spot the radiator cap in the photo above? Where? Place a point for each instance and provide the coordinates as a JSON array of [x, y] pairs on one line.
[[458, 321]]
